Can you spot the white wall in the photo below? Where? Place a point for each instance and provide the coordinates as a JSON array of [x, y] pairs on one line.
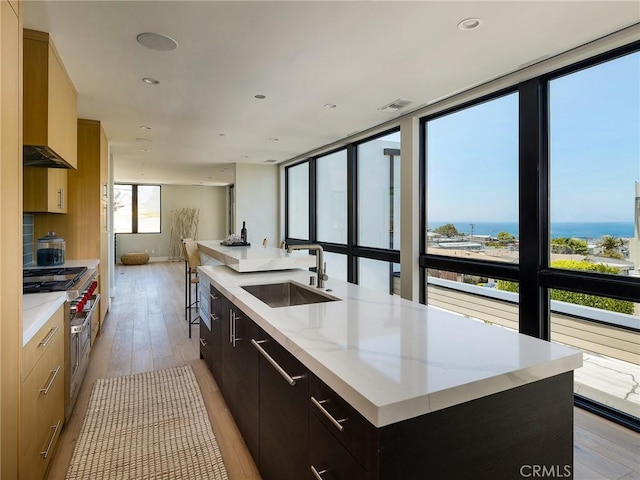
[[212, 224], [257, 189]]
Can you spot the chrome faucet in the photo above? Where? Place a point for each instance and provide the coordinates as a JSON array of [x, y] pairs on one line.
[[321, 267]]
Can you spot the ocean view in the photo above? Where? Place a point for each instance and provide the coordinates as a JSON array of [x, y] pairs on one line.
[[560, 229]]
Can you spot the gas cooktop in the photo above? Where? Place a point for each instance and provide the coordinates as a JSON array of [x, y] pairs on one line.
[[51, 279]]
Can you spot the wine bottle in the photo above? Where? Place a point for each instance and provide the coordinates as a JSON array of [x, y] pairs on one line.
[[243, 233]]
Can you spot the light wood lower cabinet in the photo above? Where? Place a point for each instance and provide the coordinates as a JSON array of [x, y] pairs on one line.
[[42, 397]]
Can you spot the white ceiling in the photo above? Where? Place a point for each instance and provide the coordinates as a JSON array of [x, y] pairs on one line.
[[300, 55]]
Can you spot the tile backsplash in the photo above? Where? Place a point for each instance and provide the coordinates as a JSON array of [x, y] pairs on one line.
[[27, 239]]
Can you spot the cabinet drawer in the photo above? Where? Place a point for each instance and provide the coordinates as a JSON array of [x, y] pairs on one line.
[[42, 341], [42, 397], [34, 462], [328, 459], [341, 419]]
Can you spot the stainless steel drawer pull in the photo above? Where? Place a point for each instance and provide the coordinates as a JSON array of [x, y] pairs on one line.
[[203, 343], [52, 377], [335, 422], [54, 428], [316, 473], [290, 380], [49, 336]]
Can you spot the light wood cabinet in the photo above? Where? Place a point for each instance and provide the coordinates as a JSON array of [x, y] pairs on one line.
[[42, 397], [84, 227], [50, 99], [45, 190], [10, 233]]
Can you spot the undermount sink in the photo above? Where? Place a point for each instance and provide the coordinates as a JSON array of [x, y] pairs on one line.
[[287, 294]]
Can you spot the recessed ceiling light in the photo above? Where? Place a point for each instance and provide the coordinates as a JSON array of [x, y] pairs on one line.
[[270, 161], [150, 81], [245, 156], [144, 149], [144, 127], [156, 41], [140, 139], [143, 164], [260, 97], [330, 105], [469, 23], [273, 139]]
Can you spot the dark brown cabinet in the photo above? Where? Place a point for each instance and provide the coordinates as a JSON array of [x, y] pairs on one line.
[[235, 365], [328, 459], [297, 427], [205, 342], [283, 414], [218, 305], [246, 389]]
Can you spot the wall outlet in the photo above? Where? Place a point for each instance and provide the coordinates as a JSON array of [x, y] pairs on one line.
[[152, 252]]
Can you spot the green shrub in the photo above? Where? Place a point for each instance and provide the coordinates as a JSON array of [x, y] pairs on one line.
[[604, 303]]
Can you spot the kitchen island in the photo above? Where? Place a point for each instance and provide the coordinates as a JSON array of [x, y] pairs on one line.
[[254, 258], [431, 392]]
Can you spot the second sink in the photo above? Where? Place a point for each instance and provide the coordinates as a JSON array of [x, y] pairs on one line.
[[287, 294]]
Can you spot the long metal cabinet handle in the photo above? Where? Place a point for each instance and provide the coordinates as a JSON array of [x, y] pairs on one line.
[[52, 377], [326, 413], [235, 329], [290, 380], [316, 473], [55, 427], [61, 193], [231, 332], [44, 342]]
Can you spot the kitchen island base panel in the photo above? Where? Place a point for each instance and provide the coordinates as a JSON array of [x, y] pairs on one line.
[[505, 435]]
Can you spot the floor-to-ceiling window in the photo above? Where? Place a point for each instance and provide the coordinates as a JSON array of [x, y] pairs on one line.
[[297, 202], [552, 221], [594, 169], [352, 196]]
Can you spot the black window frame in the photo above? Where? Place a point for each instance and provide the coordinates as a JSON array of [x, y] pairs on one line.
[[134, 208], [533, 273], [351, 248]]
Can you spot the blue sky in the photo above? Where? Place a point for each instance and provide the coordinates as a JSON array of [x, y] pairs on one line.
[[594, 151]]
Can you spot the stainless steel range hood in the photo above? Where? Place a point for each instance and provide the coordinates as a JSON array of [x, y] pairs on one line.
[[42, 156]]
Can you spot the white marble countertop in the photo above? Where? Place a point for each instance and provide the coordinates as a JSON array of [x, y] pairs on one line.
[[37, 308], [256, 258], [390, 358]]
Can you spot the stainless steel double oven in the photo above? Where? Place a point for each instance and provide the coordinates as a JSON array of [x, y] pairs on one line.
[[79, 284]]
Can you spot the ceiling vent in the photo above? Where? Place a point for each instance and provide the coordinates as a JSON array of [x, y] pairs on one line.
[[270, 161], [394, 106]]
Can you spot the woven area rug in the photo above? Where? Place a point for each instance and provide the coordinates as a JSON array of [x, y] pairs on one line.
[[150, 425]]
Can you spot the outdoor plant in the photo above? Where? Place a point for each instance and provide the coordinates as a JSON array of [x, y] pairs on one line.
[[595, 301]]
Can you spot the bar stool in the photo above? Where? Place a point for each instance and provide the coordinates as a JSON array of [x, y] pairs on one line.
[[192, 259], [187, 275]]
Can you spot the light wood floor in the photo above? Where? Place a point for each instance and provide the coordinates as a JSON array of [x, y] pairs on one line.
[[145, 330]]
